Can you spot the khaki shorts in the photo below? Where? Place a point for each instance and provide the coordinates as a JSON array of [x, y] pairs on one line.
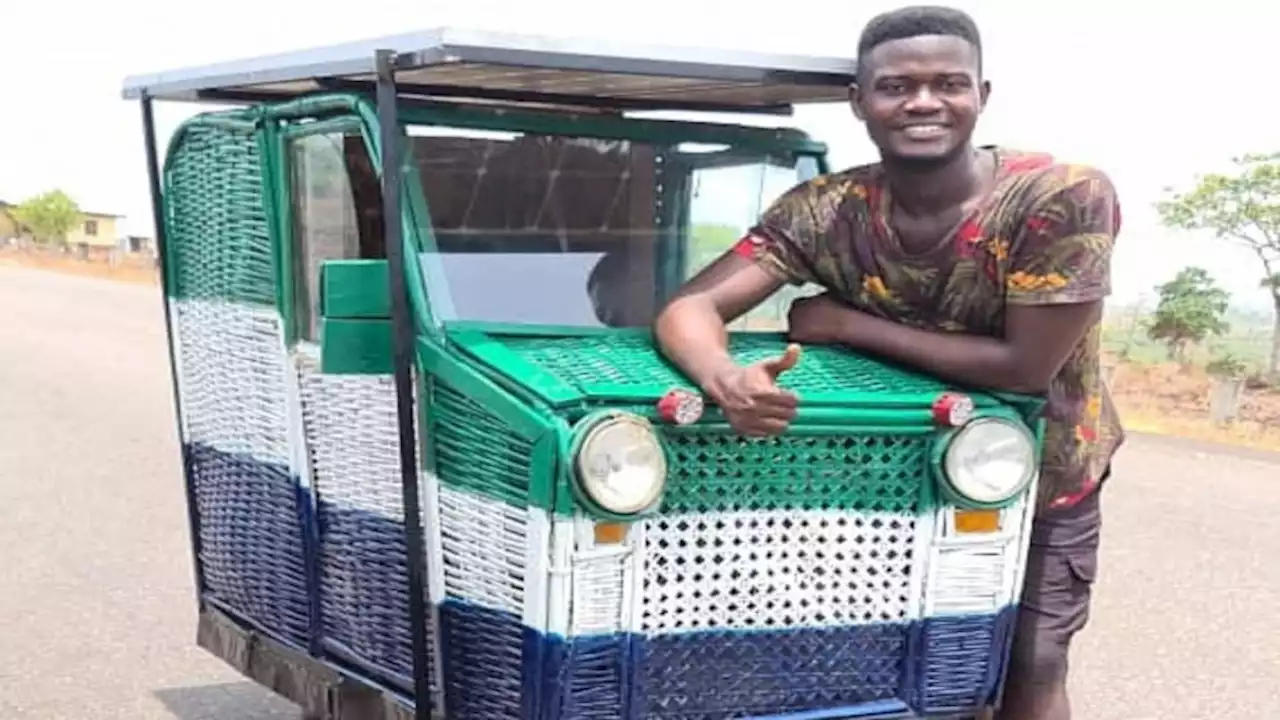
[[1061, 566]]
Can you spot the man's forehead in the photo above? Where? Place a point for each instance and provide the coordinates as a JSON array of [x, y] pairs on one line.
[[922, 54]]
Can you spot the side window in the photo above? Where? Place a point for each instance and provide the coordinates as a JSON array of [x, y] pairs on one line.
[[336, 208], [724, 203]]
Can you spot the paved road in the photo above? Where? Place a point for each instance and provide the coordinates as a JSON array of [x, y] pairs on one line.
[[96, 614]]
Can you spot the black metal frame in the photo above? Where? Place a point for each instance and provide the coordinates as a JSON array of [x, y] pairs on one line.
[[402, 341], [162, 253], [617, 104], [426, 94]]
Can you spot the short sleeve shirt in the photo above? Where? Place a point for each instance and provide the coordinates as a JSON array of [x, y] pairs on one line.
[[1044, 235]]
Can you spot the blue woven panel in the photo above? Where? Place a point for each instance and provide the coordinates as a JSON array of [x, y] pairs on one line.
[[251, 540], [364, 589], [741, 674], [870, 671], [963, 660], [587, 678], [484, 662]]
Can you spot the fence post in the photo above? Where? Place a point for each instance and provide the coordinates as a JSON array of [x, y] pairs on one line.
[[1224, 398]]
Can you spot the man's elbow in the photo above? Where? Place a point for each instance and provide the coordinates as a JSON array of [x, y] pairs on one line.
[[675, 314], [667, 315]]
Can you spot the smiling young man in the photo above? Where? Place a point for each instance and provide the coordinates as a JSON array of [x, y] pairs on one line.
[[981, 265]]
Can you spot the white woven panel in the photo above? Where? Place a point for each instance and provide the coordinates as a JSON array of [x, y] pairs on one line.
[[766, 569], [485, 543], [353, 437], [232, 366], [601, 584], [977, 573], [969, 580]]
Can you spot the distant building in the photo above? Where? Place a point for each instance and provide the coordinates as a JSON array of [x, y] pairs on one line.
[[96, 234]]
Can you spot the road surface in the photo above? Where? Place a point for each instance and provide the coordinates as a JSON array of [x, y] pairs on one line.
[[96, 604]]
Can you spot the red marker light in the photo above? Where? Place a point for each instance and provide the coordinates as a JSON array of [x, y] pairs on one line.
[[952, 409], [680, 407]]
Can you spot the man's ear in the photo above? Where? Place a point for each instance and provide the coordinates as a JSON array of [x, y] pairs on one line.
[[984, 93], [855, 101]]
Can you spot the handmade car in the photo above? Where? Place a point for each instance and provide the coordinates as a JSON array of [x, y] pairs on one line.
[[436, 466]]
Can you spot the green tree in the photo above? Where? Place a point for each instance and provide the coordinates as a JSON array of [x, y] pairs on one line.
[[1191, 308], [1242, 206], [48, 216]]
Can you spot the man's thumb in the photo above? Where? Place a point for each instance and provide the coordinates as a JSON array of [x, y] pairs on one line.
[[786, 361]]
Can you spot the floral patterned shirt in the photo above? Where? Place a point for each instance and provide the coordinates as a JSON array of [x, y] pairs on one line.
[[1044, 235]]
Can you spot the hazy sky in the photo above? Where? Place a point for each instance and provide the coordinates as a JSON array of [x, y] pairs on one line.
[[1152, 96]]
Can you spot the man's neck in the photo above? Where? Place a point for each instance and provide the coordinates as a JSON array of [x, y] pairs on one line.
[[930, 190]]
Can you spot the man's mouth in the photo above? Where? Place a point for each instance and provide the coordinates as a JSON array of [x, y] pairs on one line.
[[930, 131]]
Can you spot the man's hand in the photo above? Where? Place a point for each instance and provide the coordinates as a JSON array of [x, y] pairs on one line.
[[819, 320], [750, 397]]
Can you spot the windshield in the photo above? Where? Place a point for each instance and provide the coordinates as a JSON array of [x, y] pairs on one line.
[[554, 230]]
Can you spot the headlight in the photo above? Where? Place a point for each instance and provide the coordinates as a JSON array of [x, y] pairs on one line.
[[989, 461], [620, 464]]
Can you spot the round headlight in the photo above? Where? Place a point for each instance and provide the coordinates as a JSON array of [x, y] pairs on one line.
[[990, 460], [621, 465]]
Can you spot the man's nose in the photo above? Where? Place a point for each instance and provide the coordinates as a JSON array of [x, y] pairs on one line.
[[924, 101]]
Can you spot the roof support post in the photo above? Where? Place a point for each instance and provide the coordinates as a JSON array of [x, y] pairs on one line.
[[156, 183], [403, 348]]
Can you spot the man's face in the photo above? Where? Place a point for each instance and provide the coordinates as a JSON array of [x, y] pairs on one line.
[[920, 97]]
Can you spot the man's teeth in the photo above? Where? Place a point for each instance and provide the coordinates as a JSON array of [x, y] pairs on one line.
[[924, 131]]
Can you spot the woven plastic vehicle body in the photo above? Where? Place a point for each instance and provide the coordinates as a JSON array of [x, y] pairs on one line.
[[820, 572]]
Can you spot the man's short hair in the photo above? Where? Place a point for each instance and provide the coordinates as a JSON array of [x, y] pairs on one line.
[[916, 20]]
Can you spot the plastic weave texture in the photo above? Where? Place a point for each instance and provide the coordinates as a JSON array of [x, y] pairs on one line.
[[779, 576], [786, 563], [630, 360], [232, 380], [353, 446], [486, 539]]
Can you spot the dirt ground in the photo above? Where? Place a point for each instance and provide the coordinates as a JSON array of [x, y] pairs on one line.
[[138, 270], [1167, 399]]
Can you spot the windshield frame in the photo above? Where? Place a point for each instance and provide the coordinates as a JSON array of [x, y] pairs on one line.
[[758, 143]]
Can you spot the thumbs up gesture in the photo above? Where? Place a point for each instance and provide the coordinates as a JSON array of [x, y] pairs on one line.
[[750, 397]]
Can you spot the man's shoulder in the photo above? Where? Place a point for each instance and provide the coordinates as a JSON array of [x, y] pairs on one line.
[[1043, 175], [1040, 185]]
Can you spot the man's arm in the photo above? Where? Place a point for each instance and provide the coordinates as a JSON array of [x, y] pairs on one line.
[[1038, 340], [691, 329], [1058, 275]]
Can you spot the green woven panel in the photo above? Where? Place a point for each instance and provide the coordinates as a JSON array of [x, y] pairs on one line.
[[475, 451], [219, 242], [630, 360], [720, 472]]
